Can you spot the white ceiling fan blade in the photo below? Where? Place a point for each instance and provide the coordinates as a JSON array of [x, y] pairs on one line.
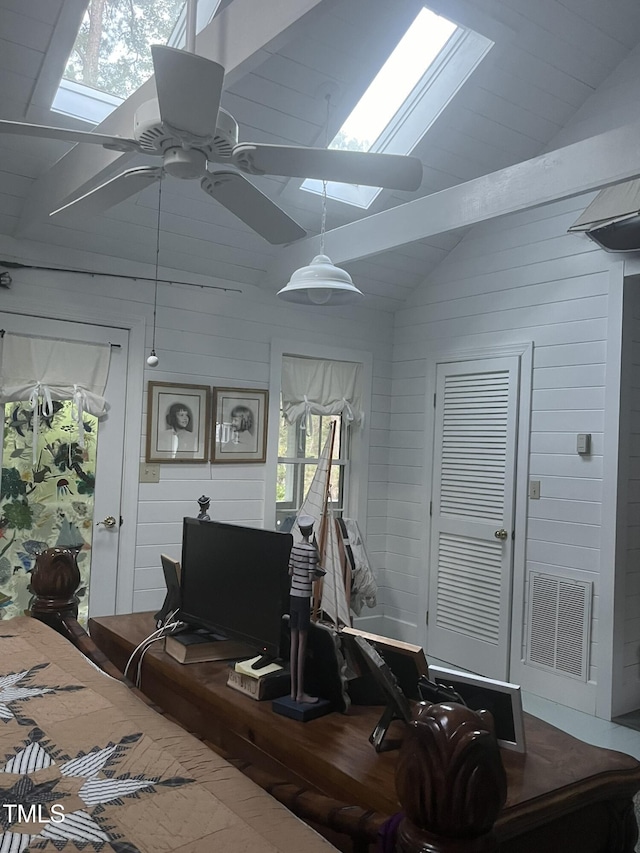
[[112, 192], [115, 143], [189, 88], [253, 207], [394, 171]]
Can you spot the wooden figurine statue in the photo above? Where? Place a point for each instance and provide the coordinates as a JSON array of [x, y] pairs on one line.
[[203, 503], [303, 569]]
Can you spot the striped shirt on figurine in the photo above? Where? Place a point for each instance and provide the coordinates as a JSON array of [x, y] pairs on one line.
[[303, 562]]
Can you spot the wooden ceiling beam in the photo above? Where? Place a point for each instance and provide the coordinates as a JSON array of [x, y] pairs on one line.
[[600, 161]]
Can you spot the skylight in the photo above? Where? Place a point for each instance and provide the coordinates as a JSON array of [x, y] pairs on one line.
[[397, 78], [111, 56], [421, 75]]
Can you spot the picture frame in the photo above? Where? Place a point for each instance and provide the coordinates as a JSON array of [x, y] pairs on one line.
[[398, 706], [406, 661], [178, 422], [501, 698], [171, 571], [240, 425]]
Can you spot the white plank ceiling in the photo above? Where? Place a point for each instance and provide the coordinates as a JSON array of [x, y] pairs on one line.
[[549, 56]]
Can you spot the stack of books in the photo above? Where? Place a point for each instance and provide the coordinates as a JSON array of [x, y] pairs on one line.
[[267, 682]]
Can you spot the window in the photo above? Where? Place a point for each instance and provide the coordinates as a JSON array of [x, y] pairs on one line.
[[315, 392], [328, 383], [423, 73], [298, 454], [111, 56]]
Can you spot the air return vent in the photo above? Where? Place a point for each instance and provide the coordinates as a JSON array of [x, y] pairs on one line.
[[559, 620]]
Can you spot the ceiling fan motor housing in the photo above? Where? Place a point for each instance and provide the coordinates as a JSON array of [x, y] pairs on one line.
[[155, 138]]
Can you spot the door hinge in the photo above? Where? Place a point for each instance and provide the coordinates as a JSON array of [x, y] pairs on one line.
[[434, 401], [426, 617], [513, 534], [430, 508]]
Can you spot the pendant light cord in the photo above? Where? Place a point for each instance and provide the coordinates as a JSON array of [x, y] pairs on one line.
[[323, 221], [155, 296]]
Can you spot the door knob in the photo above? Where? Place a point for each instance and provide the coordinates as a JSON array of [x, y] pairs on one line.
[[108, 522], [501, 534]]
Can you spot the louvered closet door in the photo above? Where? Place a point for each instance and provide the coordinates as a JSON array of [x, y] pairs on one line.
[[472, 514]]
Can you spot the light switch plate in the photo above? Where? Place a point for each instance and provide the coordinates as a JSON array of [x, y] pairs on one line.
[[149, 472], [583, 443], [534, 490]]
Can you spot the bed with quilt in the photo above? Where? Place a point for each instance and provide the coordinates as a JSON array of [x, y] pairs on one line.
[[85, 764]]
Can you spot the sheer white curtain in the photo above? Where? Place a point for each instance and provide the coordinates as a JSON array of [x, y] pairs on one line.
[[41, 370], [313, 386]]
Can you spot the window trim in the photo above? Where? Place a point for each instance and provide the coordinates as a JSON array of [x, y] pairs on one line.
[[356, 503]]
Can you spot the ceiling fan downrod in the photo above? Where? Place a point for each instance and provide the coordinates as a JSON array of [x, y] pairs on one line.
[[191, 26]]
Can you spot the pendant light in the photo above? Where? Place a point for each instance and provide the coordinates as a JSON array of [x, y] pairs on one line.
[[153, 359], [321, 283]]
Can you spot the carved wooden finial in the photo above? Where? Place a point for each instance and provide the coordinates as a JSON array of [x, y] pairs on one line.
[[450, 781], [54, 581]]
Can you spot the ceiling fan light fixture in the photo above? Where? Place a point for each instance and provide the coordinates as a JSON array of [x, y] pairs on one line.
[[320, 283]]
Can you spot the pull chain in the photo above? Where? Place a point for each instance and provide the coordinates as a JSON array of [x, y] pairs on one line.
[[152, 360], [155, 298]]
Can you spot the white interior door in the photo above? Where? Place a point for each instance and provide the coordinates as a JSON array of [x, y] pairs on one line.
[[109, 462], [471, 553]]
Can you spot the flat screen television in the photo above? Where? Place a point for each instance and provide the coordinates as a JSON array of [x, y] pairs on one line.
[[235, 582]]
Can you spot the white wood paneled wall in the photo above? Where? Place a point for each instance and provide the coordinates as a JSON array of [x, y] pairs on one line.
[[518, 279], [213, 338]]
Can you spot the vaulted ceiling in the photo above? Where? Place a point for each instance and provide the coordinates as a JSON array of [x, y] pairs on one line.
[[281, 58]]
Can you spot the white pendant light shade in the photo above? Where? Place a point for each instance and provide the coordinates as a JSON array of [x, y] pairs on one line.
[[320, 283]]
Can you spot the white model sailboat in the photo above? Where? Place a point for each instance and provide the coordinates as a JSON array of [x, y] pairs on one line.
[[332, 598]]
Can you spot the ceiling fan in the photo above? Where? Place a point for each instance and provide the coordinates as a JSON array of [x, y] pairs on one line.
[[190, 132]]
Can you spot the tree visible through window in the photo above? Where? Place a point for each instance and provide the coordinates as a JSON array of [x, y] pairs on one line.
[[298, 454], [111, 52]]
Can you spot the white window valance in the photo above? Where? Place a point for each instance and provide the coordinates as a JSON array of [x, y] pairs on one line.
[[41, 370], [313, 386]]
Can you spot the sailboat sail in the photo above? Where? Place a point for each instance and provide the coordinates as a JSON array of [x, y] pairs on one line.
[[317, 505], [334, 599]]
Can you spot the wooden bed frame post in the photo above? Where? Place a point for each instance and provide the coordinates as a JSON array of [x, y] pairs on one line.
[[54, 581], [450, 781]]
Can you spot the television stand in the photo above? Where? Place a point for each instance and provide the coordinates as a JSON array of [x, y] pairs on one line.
[[264, 660], [562, 795]]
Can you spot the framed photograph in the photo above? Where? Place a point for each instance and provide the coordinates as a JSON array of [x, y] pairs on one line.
[[405, 660], [398, 706], [178, 422], [504, 700], [240, 425]]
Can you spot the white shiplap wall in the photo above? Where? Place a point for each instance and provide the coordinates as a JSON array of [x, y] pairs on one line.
[[515, 280], [209, 337]]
